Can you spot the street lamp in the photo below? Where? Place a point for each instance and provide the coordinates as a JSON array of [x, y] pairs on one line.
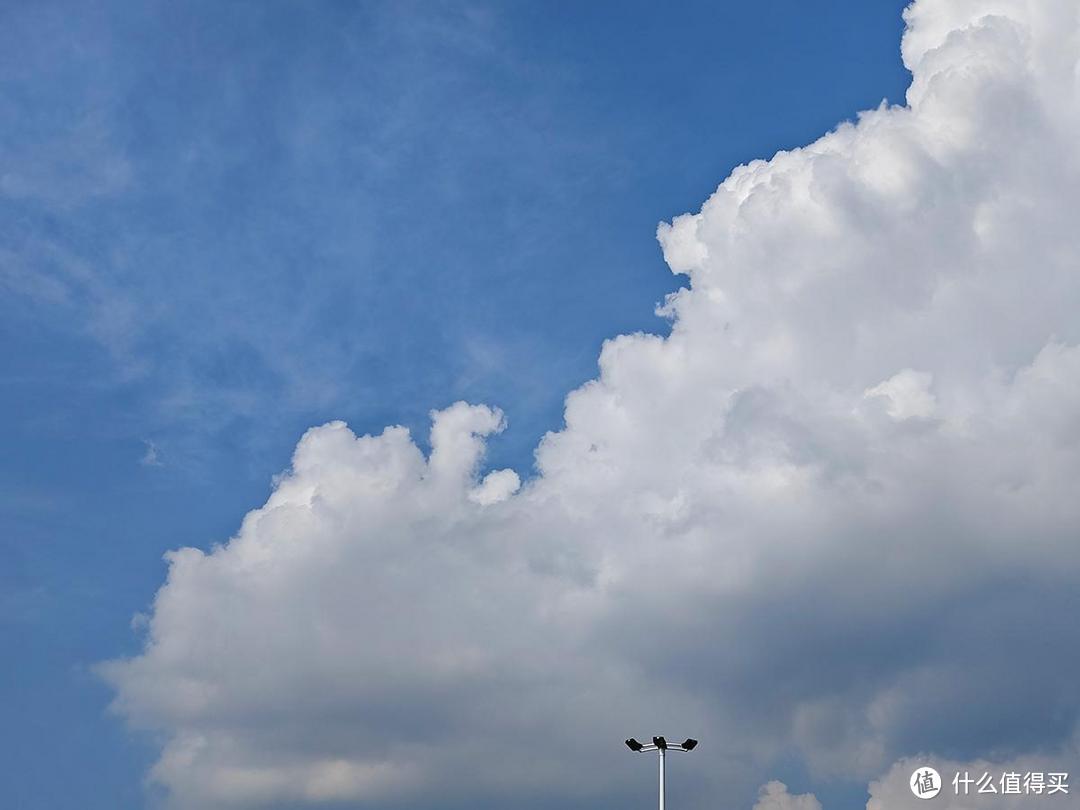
[[662, 746]]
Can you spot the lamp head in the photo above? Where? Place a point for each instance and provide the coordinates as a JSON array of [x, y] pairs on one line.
[[660, 743], [689, 744], [633, 744]]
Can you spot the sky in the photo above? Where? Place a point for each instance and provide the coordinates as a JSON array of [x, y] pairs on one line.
[[368, 444]]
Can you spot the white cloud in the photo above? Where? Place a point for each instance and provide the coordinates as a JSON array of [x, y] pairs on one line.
[[907, 394], [775, 796], [497, 486], [986, 784], [892, 791], [150, 458], [727, 539]]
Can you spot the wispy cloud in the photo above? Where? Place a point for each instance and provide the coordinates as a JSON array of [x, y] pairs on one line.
[[150, 458]]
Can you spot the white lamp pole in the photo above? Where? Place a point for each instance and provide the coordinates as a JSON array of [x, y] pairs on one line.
[[661, 758], [661, 746]]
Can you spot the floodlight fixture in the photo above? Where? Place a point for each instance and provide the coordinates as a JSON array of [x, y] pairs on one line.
[[661, 746]]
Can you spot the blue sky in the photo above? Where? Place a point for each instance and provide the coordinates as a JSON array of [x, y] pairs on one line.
[[221, 224]]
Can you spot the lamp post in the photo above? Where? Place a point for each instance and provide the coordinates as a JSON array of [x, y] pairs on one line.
[[661, 746]]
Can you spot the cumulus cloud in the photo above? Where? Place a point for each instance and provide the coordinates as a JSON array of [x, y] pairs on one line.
[[775, 796], [907, 394], [832, 516], [984, 784]]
